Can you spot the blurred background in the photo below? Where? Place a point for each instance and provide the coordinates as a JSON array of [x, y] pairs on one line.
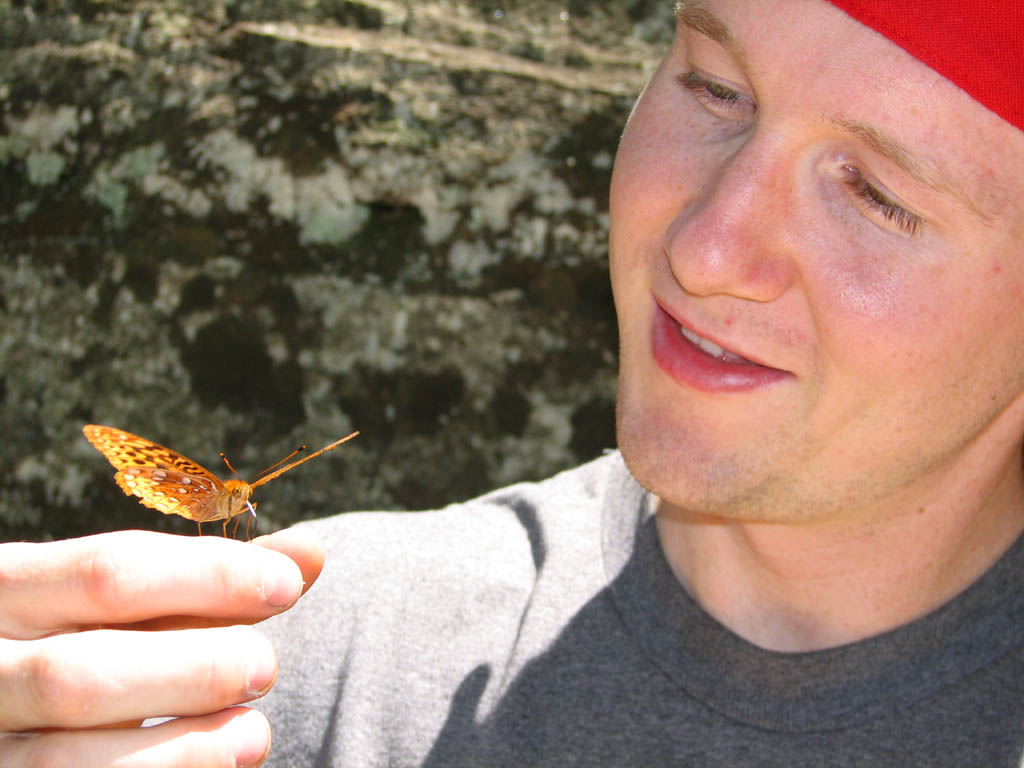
[[242, 225]]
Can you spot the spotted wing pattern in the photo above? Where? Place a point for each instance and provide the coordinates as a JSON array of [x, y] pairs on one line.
[[174, 493], [162, 479]]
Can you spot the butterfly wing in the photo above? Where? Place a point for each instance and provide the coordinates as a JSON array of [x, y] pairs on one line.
[[193, 497], [123, 450], [162, 479]]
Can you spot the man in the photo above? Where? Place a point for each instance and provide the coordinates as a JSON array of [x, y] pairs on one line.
[[817, 255]]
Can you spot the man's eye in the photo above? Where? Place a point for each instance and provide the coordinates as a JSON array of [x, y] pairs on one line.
[[874, 200], [712, 94]]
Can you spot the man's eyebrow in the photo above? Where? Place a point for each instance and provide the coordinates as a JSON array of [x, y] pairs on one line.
[[698, 17], [922, 171]]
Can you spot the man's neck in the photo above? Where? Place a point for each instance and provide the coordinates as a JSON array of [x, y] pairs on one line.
[[807, 586]]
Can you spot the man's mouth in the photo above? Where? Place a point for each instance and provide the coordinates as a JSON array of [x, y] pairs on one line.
[[701, 364], [713, 349]]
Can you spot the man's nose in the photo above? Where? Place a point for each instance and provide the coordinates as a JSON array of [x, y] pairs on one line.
[[730, 239]]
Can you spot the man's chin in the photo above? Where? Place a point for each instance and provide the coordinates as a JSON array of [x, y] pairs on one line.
[[694, 481]]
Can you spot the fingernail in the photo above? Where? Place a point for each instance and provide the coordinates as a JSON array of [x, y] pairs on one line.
[[283, 585], [250, 735], [261, 668]]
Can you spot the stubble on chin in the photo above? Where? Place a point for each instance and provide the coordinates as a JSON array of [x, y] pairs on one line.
[[671, 461]]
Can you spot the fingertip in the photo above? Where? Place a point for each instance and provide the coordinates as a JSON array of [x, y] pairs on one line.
[[283, 584], [249, 733], [261, 669], [289, 539], [307, 553]]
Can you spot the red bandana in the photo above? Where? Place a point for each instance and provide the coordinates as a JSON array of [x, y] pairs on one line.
[[977, 44]]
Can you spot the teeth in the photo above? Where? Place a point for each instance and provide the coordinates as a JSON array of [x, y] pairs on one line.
[[711, 348], [708, 346]]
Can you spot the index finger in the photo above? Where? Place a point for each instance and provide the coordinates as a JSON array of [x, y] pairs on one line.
[[134, 576]]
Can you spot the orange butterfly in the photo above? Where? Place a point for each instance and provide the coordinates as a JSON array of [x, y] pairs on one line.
[[175, 485]]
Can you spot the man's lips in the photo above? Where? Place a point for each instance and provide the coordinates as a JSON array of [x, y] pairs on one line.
[[702, 364]]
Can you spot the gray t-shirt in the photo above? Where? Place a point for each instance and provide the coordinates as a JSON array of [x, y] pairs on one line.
[[541, 625]]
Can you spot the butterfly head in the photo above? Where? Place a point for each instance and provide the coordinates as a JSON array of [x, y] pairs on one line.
[[238, 490]]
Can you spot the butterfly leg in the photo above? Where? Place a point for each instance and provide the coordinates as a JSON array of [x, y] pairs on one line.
[[249, 520], [200, 527]]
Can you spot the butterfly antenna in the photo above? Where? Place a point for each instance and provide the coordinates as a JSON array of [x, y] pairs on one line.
[[294, 464], [300, 449], [233, 470]]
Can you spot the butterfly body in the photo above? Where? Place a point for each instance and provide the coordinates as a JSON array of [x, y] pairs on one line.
[[171, 483]]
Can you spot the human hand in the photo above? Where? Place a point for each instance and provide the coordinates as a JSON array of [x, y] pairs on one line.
[[99, 633]]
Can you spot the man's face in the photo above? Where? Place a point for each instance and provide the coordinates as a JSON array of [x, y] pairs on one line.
[[849, 227]]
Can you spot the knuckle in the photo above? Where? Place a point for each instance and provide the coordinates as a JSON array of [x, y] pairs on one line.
[[12, 556], [47, 752], [225, 680], [242, 670], [237, 584], [102, 582], [59, 692]]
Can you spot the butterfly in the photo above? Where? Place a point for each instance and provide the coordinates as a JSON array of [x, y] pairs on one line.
[[175, 485]]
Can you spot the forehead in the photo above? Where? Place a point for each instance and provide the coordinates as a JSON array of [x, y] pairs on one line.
[[889, 99]]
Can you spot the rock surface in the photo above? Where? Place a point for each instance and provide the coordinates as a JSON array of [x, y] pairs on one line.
[[241, 226]]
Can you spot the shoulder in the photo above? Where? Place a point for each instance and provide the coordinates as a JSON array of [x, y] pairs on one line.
[[496, 537], [412, 605], [484, 553]]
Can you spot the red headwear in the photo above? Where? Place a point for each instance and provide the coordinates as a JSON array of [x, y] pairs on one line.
[[977, 44]]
